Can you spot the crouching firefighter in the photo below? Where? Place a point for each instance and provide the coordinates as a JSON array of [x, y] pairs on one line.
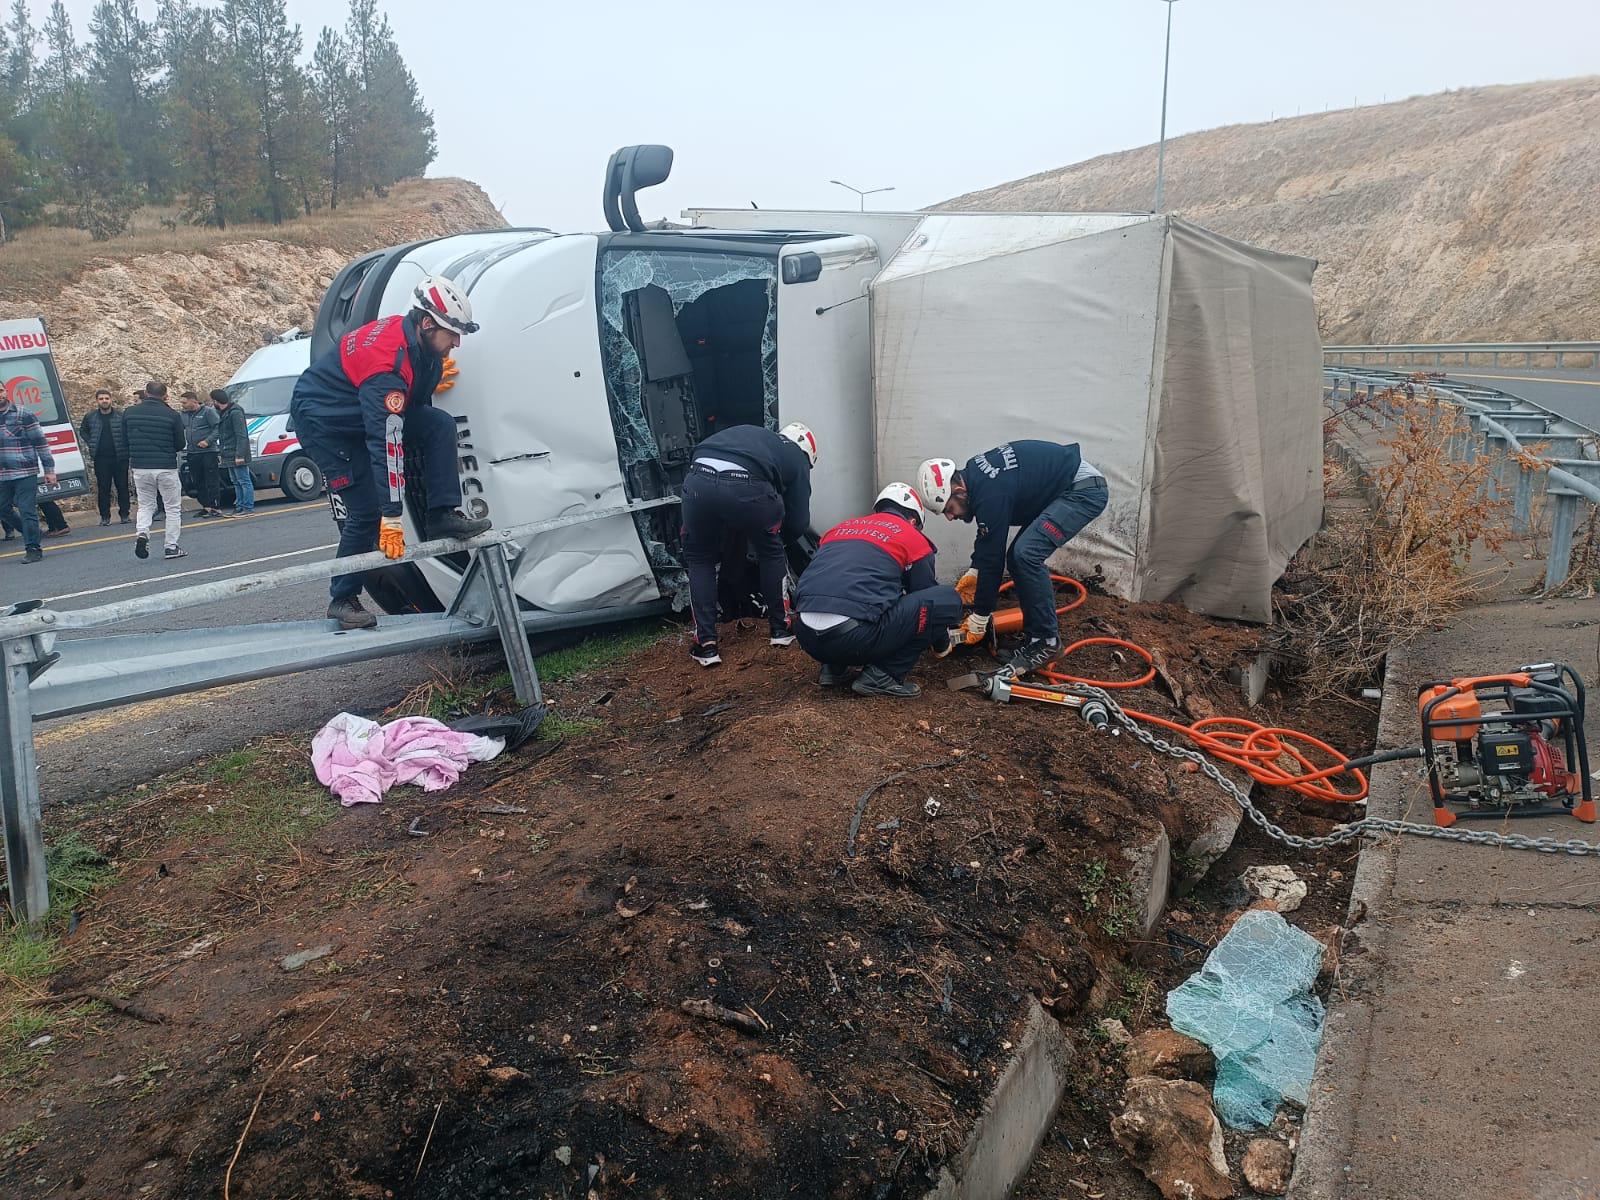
[[359, 406], [748, 480], [869, 599], [1043, 487]]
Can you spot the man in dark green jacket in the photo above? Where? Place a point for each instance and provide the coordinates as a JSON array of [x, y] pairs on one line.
[[233, 442]]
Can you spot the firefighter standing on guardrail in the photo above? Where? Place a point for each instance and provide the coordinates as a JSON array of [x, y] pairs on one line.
[[359, 405]]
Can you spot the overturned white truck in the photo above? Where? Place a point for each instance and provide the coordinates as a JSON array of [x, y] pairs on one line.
[[1186, 364]]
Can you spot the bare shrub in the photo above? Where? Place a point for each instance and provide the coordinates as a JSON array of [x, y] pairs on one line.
[[1376, 577]]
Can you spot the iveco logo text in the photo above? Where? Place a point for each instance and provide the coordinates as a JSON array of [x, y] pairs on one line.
[[472, 501]]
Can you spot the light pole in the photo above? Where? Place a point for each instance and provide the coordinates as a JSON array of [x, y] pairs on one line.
[[1161, 154], [860, 193]]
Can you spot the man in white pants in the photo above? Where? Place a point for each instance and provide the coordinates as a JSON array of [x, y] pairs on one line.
[[155, 439]]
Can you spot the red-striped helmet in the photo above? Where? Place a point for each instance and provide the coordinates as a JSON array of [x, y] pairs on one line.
[[904, 498], [447, 304], [935, 481], [802, 436]]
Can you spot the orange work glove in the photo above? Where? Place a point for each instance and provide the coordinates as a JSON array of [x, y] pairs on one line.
[[392, 537], [447, 378], [967, 588], [975, 629]]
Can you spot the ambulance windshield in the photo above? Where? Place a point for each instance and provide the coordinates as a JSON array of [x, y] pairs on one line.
[[263, 397]]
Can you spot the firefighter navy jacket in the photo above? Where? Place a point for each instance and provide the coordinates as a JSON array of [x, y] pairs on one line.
[[365, 384], [772, 457], [1011, 485], [864, 565]]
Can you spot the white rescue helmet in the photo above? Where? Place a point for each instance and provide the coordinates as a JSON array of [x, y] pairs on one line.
[[903, 497], [936, 480], [802, 436], [447, 304]]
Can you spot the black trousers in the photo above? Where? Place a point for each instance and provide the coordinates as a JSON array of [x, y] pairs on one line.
[[713, 504], [106, 476], [203, 470], [894, 641]]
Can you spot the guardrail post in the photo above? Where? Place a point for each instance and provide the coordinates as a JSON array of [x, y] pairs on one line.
[[1559, 561], [19, 783], [508, 619], [1520, 513]]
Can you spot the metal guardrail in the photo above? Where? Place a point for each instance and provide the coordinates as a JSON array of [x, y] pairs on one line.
[[1498, 423], [42, 675], [1439, 350]]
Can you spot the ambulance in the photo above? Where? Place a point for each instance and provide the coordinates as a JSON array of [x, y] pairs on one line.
[[262, 387], [28, 375]]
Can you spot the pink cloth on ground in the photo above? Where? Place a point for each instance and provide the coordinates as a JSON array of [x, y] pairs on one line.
[[359, 760]]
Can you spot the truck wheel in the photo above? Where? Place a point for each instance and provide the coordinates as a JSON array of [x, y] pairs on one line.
[[300, 479]]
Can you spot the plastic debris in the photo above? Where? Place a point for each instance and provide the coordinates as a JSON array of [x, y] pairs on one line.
[[1251, 1003]]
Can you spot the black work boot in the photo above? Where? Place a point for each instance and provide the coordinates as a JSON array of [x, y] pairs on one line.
[[831, 676], [450, 523], [875, 681], [351, 615], [1033, 654]]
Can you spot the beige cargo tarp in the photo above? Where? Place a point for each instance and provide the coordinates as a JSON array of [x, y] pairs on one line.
[[1186, 365]]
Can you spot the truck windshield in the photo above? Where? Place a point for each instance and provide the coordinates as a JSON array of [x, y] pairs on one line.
[[27, 385], [263, 397]]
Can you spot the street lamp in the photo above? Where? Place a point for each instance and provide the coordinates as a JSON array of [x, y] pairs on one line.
[[860, 193], [1161, 155]]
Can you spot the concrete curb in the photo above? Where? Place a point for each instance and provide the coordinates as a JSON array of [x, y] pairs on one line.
[[1343, 1060], [1016, 1117]]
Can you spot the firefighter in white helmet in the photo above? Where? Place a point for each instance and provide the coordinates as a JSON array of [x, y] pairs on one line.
[[747, 480], [870, 599], [360, 407], [1046, 489]]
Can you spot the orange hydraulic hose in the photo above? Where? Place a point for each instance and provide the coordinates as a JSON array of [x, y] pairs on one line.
[[1259, 750]]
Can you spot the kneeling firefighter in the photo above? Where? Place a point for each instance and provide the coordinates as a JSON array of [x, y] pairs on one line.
[[1048, 490], [870, 599], [748, 480], [359, 406]]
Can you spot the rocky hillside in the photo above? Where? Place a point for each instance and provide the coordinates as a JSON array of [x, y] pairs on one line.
[[1469, 214], [190, 312]]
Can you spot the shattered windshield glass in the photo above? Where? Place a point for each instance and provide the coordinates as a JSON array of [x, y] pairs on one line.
[[685, 276]]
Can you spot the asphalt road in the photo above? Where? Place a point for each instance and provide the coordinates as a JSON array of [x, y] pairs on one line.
[[108, 751], [1575, 394]]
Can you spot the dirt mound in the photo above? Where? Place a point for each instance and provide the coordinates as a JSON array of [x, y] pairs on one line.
[[1472, 214], [190, 316], [499, 1010]]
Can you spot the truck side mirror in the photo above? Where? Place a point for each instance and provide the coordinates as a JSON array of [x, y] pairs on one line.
[[802, 268], [630, 170]]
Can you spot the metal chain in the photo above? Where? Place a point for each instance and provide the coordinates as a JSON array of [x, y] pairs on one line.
[[1345, 833]]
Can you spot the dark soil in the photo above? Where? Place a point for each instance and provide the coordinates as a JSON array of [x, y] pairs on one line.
[[500, 1014]]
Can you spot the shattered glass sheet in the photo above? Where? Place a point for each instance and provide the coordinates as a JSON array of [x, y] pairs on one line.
[[1251, 1003], [685, 277]]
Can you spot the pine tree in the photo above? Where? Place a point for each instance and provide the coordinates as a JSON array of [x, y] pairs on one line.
[[21, 54], [266, 46], [393, 133], [122, 67], [63, 62], [334, 89], [214, 121], [87, 171]]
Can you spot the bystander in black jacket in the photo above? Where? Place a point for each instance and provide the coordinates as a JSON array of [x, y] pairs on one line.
[[155, 435]]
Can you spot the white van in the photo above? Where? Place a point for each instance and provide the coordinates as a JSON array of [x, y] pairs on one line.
[[262, 387], [28, 375]]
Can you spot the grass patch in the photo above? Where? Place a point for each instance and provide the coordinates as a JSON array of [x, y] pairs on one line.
[[271, 804], [562, 665], [557, 726]]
